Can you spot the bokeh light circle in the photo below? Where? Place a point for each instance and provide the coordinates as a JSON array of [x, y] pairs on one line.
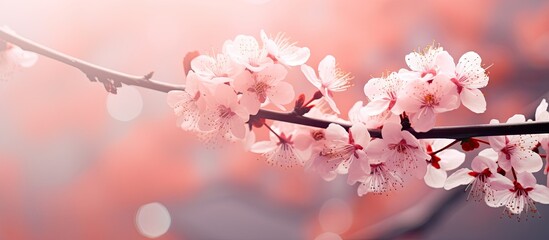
[[153, 220], [126, 105]]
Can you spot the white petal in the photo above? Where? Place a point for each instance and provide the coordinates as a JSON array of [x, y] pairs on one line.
[[238, 128], [435, 178], [526, 161], [450, 159], [540, 194], [376, 107], [391, 132], [263, 147], [424, 120], [336, 132], [282, 93], [295, 56], [250, 102], [326, 68], [541, 111], [445, 62], [310, 74], [459, 177], [473, 99], [360, 134]]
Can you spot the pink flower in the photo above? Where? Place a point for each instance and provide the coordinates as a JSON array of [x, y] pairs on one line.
[[484, 169], [224, 119], [281, 149], [426, 65], [379, 179], [383, 94], [281, 50], [469, 76], [358, 114], [341, 149], [516, 151], [188, 105], [13, 57], [441, 162], [330, 79], [426, 99], [400, 149], [218, 69], [518, 195], [259, 87], [245, 50]]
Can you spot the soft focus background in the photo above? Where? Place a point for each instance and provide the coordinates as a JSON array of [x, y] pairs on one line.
[[76, 163]]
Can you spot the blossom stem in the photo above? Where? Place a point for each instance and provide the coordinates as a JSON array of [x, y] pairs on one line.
[[270, 129], [446, 147], [453, 132], [514, 173]]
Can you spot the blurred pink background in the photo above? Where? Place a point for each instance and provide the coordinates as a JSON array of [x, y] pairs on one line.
[[70, 170]]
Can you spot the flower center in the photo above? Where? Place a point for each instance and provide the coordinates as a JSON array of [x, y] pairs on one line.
[[225, 112], [260, 89], [429, 100]]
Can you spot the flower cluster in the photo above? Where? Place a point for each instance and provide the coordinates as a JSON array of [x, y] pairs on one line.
[[225, 92]]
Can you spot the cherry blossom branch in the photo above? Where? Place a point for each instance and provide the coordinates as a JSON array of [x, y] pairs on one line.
[[113, 79]]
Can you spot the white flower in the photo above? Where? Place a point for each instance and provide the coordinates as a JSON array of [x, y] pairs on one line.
[[330, 79], [283, 51], [245, 50], [518, 195], [515, 151]]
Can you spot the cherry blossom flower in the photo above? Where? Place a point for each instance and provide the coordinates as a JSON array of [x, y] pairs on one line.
[[13, 57], [224, 118], [188, 105], [477, 179], [383, 94], [515, 151], [341, 149], [400, 149], [358, 114], [426, 99], [379, 179], [217, 69], [283, 51], [426, 65], [441, 162], [281, 149], [469, 76], [518, 195], [267, 85], [246, 51], [330, 79]]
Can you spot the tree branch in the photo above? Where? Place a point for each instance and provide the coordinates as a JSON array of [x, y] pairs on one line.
[[113, 79]]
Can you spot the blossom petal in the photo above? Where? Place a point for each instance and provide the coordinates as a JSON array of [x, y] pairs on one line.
[[376, 107], [263, 147], [473, 99], [281, 93], [459, 177], [360, 134], [526, 161], [336, 132], [445, 62], [450, 159], [238, 128], [326, 68], [310, 74], [540, 194], [435, 178]]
